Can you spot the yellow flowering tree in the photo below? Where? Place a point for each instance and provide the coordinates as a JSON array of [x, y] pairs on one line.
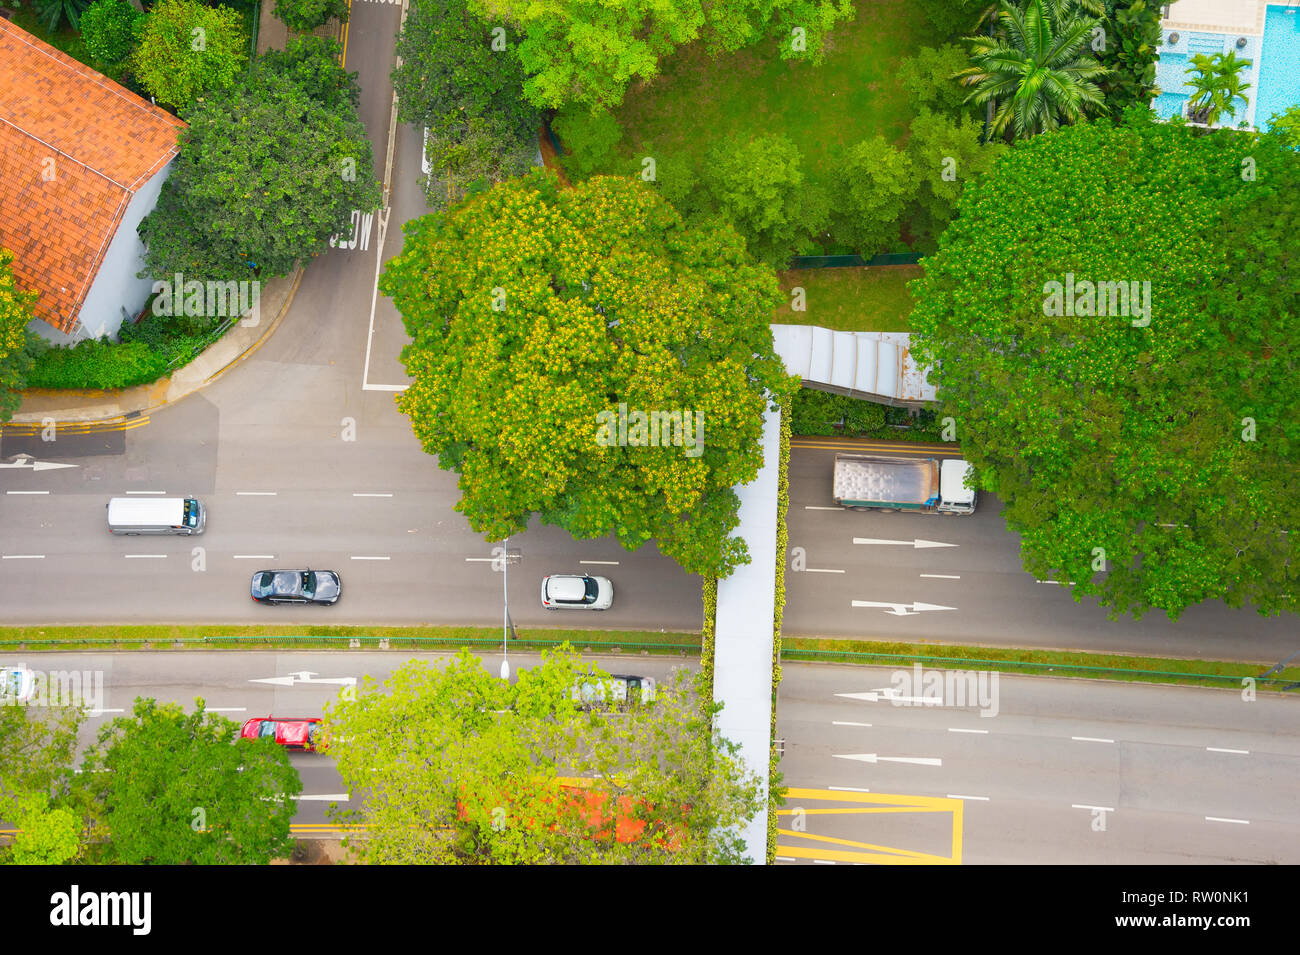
[[583, 355], [15, 313]]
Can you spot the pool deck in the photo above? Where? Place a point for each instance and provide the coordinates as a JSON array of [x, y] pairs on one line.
[[1242, 17]]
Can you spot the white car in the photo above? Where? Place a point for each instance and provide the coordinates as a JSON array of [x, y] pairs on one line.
[[623, 687], [576, 592], [17, 685]]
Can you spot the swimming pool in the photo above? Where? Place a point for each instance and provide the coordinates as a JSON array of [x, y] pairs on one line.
[[1279, 69]]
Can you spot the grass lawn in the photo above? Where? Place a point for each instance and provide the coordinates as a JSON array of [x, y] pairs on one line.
[[697, 101], [851, 300]]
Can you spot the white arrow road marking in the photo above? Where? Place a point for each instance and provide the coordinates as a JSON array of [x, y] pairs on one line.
[[875, 696], [901, 610], [30, 463], [914, 544], [873, 758], [305, 676]]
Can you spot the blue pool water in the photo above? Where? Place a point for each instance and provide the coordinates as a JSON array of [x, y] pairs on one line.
[[1278, 87]]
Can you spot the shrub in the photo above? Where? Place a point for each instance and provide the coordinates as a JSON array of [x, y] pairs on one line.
[[107, 28], [97, 364], [928, 78], [862, 417], [306, 15], [873, 184], [816, 412]]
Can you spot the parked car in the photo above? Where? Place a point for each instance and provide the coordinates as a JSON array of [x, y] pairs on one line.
[[624, 690], [296, 587], [17, 685], [576, 592], [295, 732]]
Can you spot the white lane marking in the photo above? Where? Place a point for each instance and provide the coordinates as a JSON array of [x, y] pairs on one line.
[[1057, 582], [325, 797], [1215, 749], [94, 713], [814, 507], [27, 492], [357, 494], [944, 576], [847, 723], [146, 492], [482, 559], [849, 789], [915, 543], [372, 558], [901, 610], [256, 493], [23, 557], [1091, 739], [822, 862], [957, 796], [1240, 822], [611, 563], [958, 729], [873, 758], [784, 858], [820, 570], [145, 556], [1097, 808], [254, 557], [227, 709]]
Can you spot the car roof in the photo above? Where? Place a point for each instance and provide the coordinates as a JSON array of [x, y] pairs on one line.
[[566, 587]]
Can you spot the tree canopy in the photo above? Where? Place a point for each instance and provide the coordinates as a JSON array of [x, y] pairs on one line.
[[587, 52], [187, 50], [266, 174], [544, 321], [462, 767], [180, 788], [1145, 445]]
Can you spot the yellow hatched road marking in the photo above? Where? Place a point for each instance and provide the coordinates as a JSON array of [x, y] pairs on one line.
[[876, 803]]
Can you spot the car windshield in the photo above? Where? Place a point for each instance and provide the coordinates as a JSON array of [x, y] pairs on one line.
[[308, 583], [263, 583], [592, 590], [192, 513], [266, 729]]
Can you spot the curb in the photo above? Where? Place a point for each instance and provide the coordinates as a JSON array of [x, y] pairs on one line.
[[163, 384]]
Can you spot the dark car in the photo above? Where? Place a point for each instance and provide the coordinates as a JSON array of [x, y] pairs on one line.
[[296, 587]]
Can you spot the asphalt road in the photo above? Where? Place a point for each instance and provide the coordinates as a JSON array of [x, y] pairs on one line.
[[1062, 771], [976, 578]]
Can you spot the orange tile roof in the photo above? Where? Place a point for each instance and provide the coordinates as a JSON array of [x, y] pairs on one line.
[[74, 148]]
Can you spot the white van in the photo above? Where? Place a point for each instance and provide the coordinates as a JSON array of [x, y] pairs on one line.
[[156, 515]]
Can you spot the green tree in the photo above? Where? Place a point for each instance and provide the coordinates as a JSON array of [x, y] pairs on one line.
[[470, 156], [1132, 46], [1286, 126], [929, 80], [1216, 86], [945, 155], [187, 50], [48, 835], [466, 768], [758, 184], [455, 71], [306, 15], [38, 748], [873, 183], [1144, 449], [15, 355], [587, 52], [266, 175], [589, 138], [108, 27], [181, 789], [1037, 69], [534, 313], [312, 64]]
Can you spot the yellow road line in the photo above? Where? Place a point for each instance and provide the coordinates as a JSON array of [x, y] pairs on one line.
[[343, 58], [831, 445], [890, 850]]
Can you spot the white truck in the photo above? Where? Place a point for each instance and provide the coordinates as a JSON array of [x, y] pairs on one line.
[[865, 482]]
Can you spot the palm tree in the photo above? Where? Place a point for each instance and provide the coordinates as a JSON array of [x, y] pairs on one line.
[[53, 12], [1037, 69], [1215, 85]]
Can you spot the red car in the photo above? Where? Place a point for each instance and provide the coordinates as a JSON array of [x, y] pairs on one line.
[[302, 732]]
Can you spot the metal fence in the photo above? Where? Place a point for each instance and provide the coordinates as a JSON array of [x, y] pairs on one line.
[[853, 261]]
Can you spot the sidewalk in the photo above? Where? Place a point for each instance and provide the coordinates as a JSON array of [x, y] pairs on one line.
[[236, 345]]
